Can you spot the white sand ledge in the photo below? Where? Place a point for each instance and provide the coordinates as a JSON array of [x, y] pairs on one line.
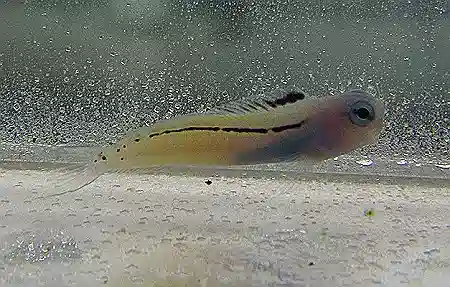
[[127, 229]]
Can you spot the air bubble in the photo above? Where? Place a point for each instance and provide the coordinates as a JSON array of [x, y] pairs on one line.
[[365, 162]]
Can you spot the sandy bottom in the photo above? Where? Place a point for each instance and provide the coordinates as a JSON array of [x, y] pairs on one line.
[[167, 230]]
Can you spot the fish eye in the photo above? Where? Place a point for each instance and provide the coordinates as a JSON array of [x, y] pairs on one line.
[[362, 113]]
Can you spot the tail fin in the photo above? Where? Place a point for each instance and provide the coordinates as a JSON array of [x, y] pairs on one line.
[[71, 179]]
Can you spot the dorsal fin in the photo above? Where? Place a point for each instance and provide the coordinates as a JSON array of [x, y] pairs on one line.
[[261, 102], [257, 103]]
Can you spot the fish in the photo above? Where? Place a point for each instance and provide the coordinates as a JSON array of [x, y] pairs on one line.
[[282, 126]]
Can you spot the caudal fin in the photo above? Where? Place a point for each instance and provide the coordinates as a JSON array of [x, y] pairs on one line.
[[70, 179]]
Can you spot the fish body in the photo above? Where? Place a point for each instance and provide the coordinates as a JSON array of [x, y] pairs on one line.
[[282, 126]]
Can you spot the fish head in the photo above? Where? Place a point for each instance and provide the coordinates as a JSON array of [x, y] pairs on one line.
[[344, 123]]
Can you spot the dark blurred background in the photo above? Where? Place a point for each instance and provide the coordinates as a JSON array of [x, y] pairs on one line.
[[84, 72]]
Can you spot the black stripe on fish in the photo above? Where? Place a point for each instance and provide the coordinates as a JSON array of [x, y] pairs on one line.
[[277, 129], [289, 98], [288, 127]]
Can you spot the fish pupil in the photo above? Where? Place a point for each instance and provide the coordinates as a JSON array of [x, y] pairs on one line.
[[363, 113]]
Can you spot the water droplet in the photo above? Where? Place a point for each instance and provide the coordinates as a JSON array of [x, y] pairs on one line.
[[16, 107], [371, 90], [402, 162], [365, 162]]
